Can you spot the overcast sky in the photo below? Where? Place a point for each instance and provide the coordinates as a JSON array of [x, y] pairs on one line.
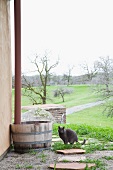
[[73, 30]]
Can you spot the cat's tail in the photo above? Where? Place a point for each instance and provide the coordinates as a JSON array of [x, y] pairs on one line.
[[83, 143]]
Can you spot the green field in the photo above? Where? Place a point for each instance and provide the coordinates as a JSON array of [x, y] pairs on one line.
[[91, 116], [82, 94]]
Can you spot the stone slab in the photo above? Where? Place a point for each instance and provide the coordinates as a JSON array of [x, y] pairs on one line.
[[75, 158], [71, 166], [71, 151]]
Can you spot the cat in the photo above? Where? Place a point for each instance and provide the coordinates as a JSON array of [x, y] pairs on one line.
[[68, 135]]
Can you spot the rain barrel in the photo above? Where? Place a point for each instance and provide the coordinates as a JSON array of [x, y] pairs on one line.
[[31, 135]]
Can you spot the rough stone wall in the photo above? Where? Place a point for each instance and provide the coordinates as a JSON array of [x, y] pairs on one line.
[[5, 76], [58, 111], [59, 114]]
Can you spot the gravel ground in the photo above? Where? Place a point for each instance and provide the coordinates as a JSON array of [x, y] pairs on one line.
[[41, 160]]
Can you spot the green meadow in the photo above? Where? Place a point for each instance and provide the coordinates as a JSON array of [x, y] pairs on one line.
[[82, 94], [91, 116]]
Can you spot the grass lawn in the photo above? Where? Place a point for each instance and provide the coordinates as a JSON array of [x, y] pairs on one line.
[[82, 94], [91, 116], [88, 131]]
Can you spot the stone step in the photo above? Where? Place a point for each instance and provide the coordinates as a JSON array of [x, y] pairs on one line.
[[71, 151], [71, 166]]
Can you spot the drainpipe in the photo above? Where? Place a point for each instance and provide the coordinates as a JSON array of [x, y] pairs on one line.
[[17, 26]]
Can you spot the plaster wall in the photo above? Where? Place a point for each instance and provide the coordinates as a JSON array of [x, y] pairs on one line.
[[5, 76]]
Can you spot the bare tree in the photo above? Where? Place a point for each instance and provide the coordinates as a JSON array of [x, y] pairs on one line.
[[108, 109], [62, 91], [105, 74], [105, 68], [90, 72], [67, 77], [43, 69]]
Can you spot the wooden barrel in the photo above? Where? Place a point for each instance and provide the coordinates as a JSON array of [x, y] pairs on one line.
[[31, 135]]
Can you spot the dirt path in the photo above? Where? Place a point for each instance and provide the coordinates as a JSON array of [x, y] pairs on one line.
[[82, 107]]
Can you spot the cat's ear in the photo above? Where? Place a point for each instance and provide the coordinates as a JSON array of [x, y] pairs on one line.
[[58, 127], [63, 127]]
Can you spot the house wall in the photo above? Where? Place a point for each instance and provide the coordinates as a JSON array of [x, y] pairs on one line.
[[5, 76]]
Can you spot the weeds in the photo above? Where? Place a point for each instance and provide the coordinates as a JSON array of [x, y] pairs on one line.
[[18, 166], [109, 146], [65, 161], [93, 147], [43, 157], [108, 157], [28, 166], [32, 152], [55, 165], [61, 146], [99, 164]]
